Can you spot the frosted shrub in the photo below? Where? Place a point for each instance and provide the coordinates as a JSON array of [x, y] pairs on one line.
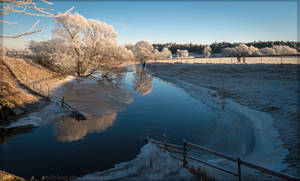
[[54, 54], [182, 53], [207, 51], [143, 51], [284, 50], [267, 51], [165, 53], [243, 50]]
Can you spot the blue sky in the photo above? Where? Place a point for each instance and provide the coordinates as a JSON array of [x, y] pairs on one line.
[[175, 21]]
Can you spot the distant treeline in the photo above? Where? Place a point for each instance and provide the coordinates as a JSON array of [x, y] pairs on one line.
[[217, 47]]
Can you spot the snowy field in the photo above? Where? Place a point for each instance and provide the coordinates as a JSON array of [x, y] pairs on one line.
[[233, 60], [267, 88]]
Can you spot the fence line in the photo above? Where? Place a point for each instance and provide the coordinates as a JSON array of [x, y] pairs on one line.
[[232, 60], [178, 149], [44, 90]]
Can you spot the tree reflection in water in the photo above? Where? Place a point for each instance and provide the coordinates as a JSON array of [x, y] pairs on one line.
[[100, 101], [142, 81]]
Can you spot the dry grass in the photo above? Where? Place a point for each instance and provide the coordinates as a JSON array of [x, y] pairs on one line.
[[10, 93], [35, 77], [201, 174], [4, 176]]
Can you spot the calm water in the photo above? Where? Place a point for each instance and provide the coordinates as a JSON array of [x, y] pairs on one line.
[[118, 119]]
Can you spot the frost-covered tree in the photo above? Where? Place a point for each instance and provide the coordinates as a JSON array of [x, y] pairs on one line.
[[207, 51], [82, 46], [182, 53], [284, 50], [243, 50], [55, 54], [267, 51], [92, 41], [165, 53], [129, 46], [143, 51], [114, 56]]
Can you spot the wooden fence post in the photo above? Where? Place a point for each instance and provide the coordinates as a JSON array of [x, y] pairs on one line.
[[165, 142], [239, 168], [184, 153], [62, 102]]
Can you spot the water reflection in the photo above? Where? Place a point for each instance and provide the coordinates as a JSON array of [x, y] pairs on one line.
[[100, 101], [69, 129], [142, 81]]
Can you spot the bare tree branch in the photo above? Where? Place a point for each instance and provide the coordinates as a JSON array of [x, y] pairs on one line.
[[7, 22], [20, 35], [22, 7]]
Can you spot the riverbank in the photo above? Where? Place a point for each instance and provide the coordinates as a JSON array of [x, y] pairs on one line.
[[26, 87], [267, 88], [152, 163]]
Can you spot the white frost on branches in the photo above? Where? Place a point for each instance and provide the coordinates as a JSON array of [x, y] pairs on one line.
[[243, 50], [27, 7], [182, 53], [82, 45], [207, 51], [144, 51], [165, 53]]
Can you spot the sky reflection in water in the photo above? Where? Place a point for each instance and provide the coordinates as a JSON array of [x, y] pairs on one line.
[[118, 118]]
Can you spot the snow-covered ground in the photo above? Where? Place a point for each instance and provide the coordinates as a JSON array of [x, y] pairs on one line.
[[41, 117], [151, 164], [270, 91]]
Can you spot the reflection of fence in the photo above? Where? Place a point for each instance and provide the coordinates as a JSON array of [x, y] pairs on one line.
[[74, 111], [233, 60], [183, 150]]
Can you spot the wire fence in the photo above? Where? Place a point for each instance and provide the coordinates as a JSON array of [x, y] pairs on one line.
[[39, 87]]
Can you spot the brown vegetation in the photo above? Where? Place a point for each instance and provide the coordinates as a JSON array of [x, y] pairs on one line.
[[201, 174], [33, 76], [24, 86], [10, 92], [4, 176]]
